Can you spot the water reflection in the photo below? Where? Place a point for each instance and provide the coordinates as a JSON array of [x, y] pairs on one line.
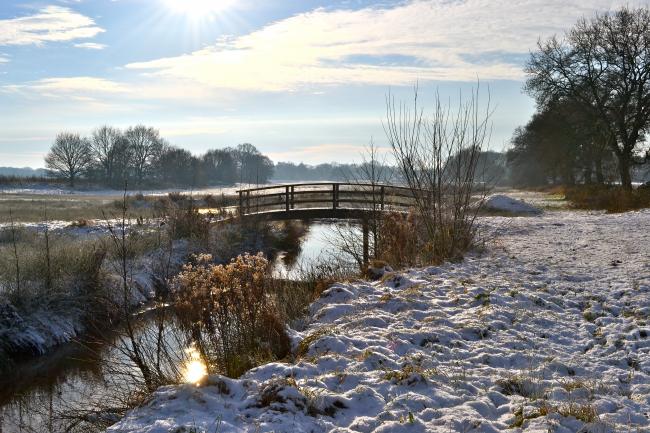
[[318, 245], [194, 369]]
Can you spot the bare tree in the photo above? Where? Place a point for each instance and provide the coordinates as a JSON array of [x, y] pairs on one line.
[[604, 64], [437, 157], [145, 145], [370, 175], [69, 157], [106, 146]]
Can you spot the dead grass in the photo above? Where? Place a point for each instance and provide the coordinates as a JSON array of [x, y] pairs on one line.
[[68, 270], [405, 241], [585, 413], [610, 198], [32, 208], [305, 343], [294, 296]]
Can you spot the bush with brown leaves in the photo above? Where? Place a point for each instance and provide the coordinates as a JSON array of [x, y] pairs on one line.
[[231, 314]]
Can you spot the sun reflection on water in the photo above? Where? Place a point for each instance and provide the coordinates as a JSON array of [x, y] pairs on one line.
[[194, 370]]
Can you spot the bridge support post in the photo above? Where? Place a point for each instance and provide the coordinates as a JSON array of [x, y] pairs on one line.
[[286, 199], [366, 246]]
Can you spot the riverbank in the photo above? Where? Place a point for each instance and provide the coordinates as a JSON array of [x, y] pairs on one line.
[[548, 328], [54, 387]]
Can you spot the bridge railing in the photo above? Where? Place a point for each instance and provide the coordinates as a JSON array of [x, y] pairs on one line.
[[334, 195]]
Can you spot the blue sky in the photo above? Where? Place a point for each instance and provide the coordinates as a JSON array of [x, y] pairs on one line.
[[302, 80]]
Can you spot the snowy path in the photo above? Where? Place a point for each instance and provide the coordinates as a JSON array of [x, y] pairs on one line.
[[547, 331]]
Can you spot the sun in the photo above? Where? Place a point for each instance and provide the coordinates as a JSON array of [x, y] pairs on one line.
[[198, 8]]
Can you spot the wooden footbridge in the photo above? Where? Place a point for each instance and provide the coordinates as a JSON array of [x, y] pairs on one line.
[[306, 201], [310, 201]]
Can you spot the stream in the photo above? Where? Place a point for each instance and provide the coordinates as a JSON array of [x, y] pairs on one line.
[[40, 393]]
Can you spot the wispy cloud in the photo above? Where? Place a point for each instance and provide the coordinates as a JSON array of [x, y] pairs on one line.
[[90, 46], [82, 87], [49, 24], [425, 40]]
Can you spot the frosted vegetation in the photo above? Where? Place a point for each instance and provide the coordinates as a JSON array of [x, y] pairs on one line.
[[550, 338]]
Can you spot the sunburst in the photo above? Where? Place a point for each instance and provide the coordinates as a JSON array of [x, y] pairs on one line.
[[198, 8]]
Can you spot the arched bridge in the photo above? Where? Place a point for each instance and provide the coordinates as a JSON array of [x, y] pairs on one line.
[[336, 200]]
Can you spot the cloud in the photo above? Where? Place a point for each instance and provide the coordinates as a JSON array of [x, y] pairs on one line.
[[82, 88], [3, 59], [456, 40], [90, 46], [49, 24]]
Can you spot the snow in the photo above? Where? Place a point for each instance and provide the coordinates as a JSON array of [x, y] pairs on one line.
[[504, 203], [545, 331]]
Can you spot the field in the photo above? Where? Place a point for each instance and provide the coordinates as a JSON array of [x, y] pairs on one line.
[[33, 203]]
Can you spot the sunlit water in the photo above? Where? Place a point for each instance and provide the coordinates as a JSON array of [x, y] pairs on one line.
[[194, 369], [35, 395]]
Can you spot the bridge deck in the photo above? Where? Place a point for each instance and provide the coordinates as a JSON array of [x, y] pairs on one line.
[[334, 200]]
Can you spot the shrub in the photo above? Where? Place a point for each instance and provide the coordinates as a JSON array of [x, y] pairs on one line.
[[182, 219], [188, 224], [231, 314], [437, 158], [611, 198], [400, 241], [177, 197]]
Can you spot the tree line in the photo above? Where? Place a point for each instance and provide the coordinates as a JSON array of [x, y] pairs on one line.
[[139, 156], [491, 168], [290, 171], [592, 89]]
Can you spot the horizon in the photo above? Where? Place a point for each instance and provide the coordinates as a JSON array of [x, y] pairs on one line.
[[301, 82]]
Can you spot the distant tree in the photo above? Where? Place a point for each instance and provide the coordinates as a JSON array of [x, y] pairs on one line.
[[145, 145], [69, 157], [603, 64], [178, 167], [253, 167], [219, 167], [106, 144], [122, 170], [491, 166], [562, 143]]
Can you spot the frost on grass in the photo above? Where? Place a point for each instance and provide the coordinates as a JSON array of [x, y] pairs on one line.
[[553, 337]]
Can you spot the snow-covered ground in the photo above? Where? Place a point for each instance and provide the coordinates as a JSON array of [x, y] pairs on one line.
[[504, 203], [547, 331]]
